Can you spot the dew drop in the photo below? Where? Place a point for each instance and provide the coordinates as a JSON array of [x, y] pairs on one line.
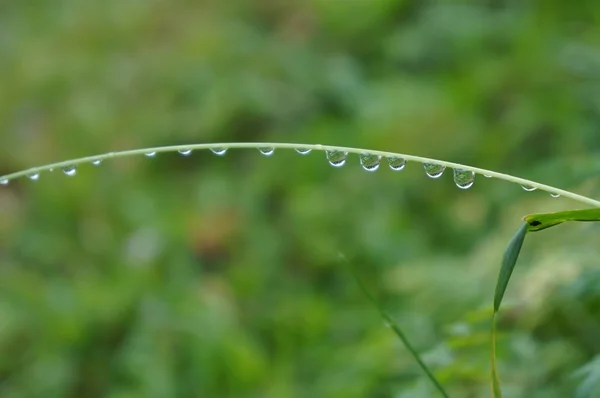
[[34, 176], [396, 163], [528, 188], [51, 170], [69, 171], [337, 158], [97, 162], [555, 195], [185, 152], [464, 179], [4, 181], [303, 151], [219, 151], [433, 170], [487, 176], [370, 162], [150, 154], [267, 151]]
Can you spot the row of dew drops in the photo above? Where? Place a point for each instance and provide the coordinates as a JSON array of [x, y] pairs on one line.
[[464, 179]]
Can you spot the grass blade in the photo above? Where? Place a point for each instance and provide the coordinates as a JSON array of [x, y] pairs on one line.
[[401, 335], [509, 261], [538, 222], [508, 264]]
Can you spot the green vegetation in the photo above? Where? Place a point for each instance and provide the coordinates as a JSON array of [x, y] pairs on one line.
[[208, 276]]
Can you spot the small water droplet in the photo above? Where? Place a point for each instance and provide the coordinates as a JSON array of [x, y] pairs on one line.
[[70, 171], [555, 195], [150, 154], [51, 170], [267, 151], [464, 179], [303, 151], [4, 181], [336, 158], [487, 176], [97, 162], [34, 176], [370, 162], [396, 163], [528, 188], [433, 170], [185, 152], [219, 151]]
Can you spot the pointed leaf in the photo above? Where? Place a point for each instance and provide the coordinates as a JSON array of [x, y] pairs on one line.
[[538, 222], [508, 264]]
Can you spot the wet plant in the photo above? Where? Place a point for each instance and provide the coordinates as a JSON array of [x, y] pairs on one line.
[[464, 177]]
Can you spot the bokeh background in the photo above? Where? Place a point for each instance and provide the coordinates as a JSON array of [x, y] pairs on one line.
[[208, 276]]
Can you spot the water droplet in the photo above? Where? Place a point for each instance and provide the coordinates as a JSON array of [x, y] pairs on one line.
[[51, 170], [267, 151], [219, 151], [337, 158], [4, 181], [396, 163], [487, 176], [370, 162], [97, 162], [34, 176], [303, 151], [150, 154], [70, 171], [464, 179], [528, 188], [185, 152], [433, 170], [555, 195]]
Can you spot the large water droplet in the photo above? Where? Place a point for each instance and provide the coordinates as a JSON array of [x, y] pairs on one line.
[[185, 152], [528, 188], [70, 171], [219, 151], [396, 163], [464, 179], [337, 158], [4, 181], [34, 176], [267, 151], [370, 162], [433, 170], [150, 154], [303, 151], [97, 162], [555, 195]]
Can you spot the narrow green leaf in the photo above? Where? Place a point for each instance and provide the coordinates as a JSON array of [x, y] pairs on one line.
[[538, 222], [508, 264], [401, 335]]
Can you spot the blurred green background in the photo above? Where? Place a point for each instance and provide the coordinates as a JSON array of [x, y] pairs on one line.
[[208, 276]]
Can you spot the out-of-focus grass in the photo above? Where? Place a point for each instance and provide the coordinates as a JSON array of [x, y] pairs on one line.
[[209, 276]]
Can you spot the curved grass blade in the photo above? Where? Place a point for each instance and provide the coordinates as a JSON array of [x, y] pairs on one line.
[[538, 222], [388, 320], [509, 261], [508, 264]]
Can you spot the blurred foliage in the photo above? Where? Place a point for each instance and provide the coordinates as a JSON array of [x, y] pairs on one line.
[[205, 276]]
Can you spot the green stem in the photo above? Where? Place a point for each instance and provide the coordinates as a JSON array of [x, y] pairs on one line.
[[316, 147]]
